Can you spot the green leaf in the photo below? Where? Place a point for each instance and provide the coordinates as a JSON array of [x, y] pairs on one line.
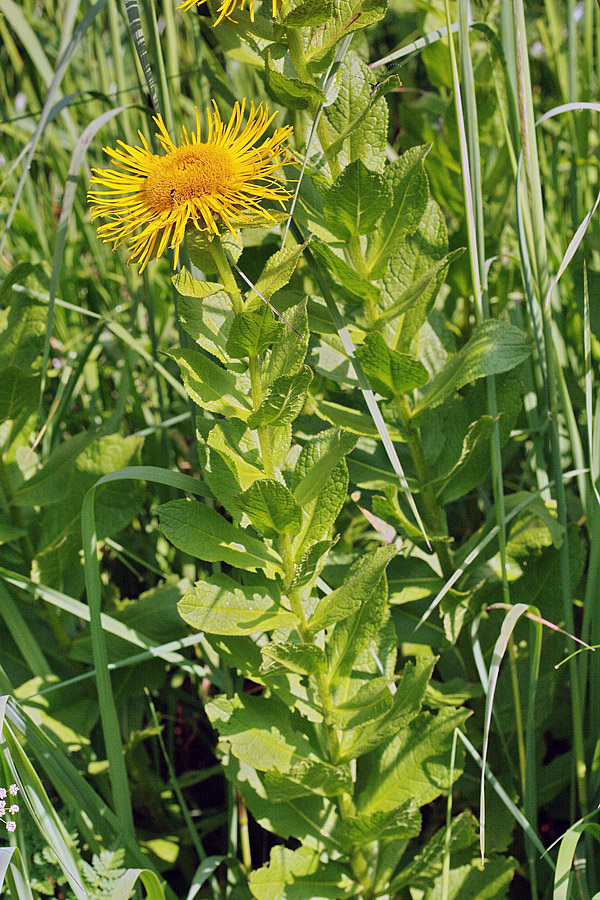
[[356, 590], [310, 777], [252, 333], [355, 421], [261, 732], [350, 636], [320, 511], [289, 351], [422, 290], [389, 372], [356, 201], [290, 92], [342, 277], [211, 386], [207, 322], [348, 16], [495, 346], [298, 875], [271, 508], [307, 819], [427, 865], [198, 246], [237, 447], [188, 286], [310, 12], [310, 564], [303, 659], [362, 734], [402, 822], [358, 117], [409, 188], [278, 270], [284, 401], [413, 765], [19, 391], [476, 881], [222, 606], [411, 261], [22, 330], [200, 531], [327, 450]]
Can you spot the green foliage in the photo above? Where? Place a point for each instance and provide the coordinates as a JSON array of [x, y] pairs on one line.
[[300, 631]]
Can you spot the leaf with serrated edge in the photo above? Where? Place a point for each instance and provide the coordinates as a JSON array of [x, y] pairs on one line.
[[261, 731], [494, 347], [252, 332], [288, 352], [413, 765], [295, 874], [208, 322], [284, 401], [304, 659], [407, 181], [389, 372], [211, 386], [271, 508], [343, 277], [358, 588], [357, 118], [356, 201], [402, 822], [277, 271], [334, 445], [200, 531], [222, 606]]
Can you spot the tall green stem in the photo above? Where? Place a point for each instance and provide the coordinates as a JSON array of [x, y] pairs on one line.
[[284, 546]]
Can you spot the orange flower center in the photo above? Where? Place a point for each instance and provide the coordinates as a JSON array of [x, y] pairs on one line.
[[186, 173]]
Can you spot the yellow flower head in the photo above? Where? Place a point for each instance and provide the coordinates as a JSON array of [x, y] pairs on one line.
[[227, 8], [221, 179]]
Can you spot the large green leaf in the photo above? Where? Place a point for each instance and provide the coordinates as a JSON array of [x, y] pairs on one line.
[[358, 117], [200, 531], [290, 92], [425, 867], [326, 451], [289, 350], [413, 765], [303, 659], [361, 735], [342, 277], [252, 332], [489, 881], [389, 372], [211, 386], [409, 265], [271, 508], [278, 270], [207, 318], [356, 201], [357, 589], [298, 874], [262, 732], [284, 400], [407, 181], [402, 822], [495, 346], [222, 606], [353, 634]]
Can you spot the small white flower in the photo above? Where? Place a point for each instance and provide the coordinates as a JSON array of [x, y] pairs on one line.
[[2, 793], [11, 826], [13, 790], [2, 807], [13, 809]]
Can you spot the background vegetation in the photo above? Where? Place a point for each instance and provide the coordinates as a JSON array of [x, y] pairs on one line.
[[503, 470]]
